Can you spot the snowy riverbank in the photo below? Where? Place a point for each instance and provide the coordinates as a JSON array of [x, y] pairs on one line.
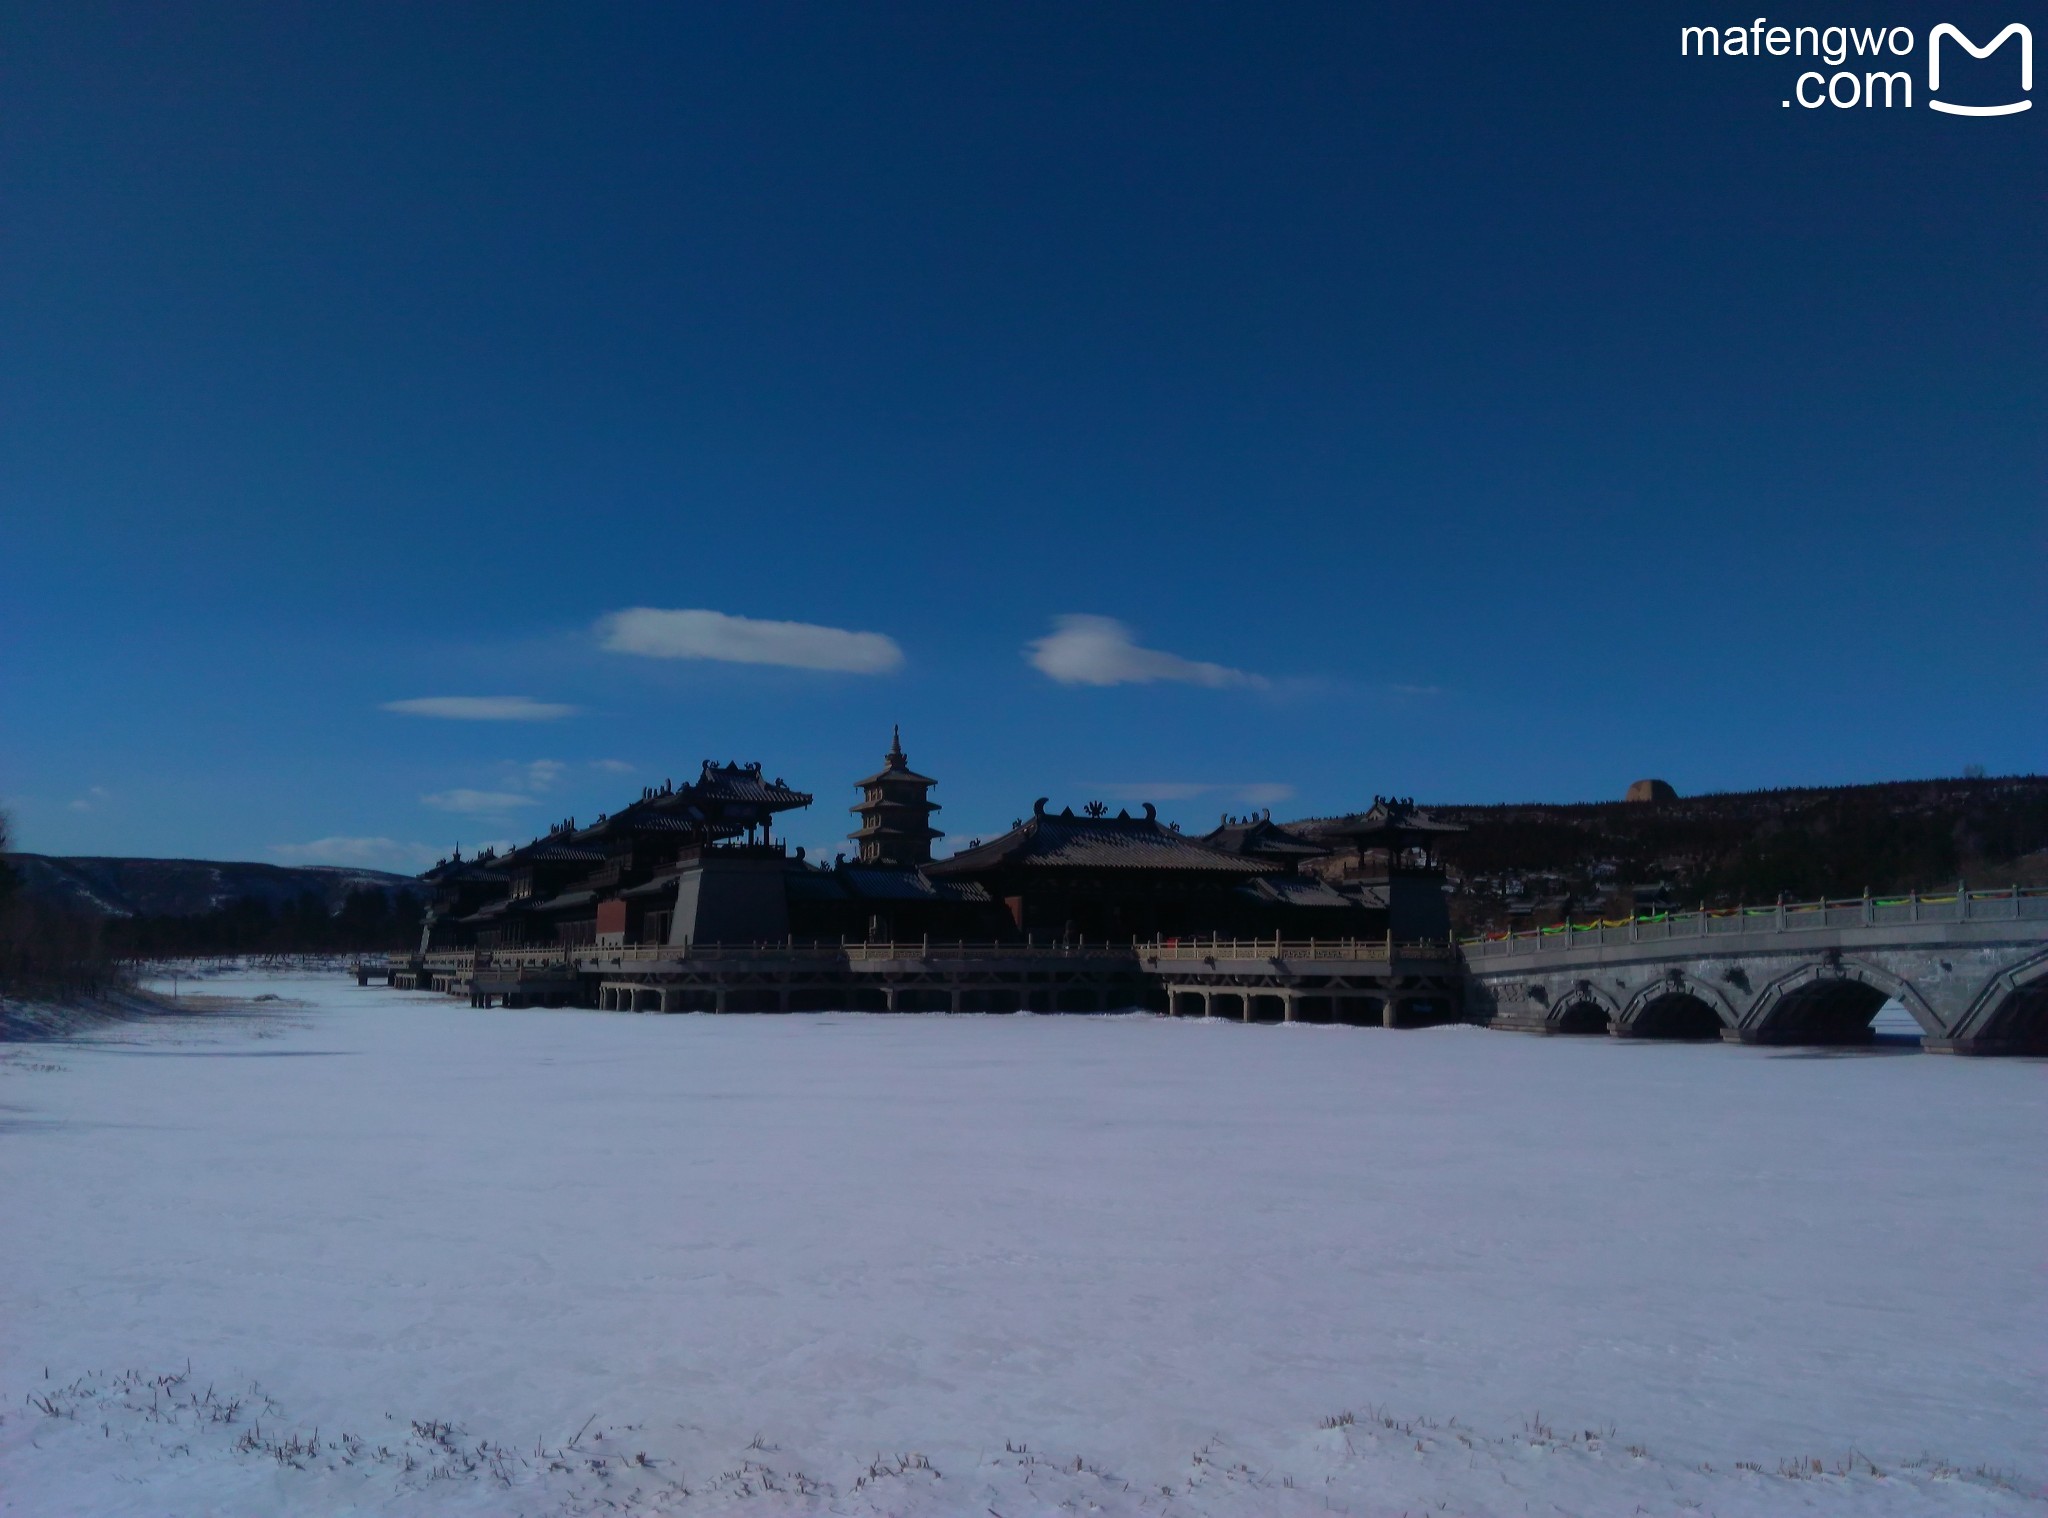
[[420, 1258]]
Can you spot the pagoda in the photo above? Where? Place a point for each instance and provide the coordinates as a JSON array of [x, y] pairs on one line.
[[895, 812]]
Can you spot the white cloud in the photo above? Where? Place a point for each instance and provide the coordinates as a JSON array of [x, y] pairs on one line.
[[696, 634], [91, 800], [462, 800], [1265, 794], [612, 766], [1148, 790], [1087, 650], [538, 774], [482, 708], [362, 853]]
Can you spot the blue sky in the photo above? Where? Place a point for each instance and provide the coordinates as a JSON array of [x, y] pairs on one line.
[[1220, 405]]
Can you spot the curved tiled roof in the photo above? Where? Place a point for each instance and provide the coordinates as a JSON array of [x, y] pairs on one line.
[[545, 852], [1390, 817], [1122, 842], [743, 782], [880, 883], [1260, 836], [1294, 891], [564, 902]]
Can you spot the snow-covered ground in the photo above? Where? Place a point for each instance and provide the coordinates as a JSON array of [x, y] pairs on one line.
[[378, 1252]]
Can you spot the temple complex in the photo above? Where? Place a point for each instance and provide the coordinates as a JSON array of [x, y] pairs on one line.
[[686, 891], [698, 864], [684, 900]]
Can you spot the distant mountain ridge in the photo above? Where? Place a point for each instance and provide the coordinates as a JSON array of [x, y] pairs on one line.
[[115, 887], [1740, 845]]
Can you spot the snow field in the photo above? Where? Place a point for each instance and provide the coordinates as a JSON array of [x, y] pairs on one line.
[[932, 1265]]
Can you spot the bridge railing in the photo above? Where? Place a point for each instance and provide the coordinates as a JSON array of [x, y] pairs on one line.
[[1352, 950], [2014, 903]]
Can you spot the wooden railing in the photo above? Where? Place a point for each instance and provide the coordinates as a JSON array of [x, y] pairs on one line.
[[1175, 949], [858, 951]]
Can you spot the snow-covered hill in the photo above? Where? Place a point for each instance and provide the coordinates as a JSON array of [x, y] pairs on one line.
[[112, 887]]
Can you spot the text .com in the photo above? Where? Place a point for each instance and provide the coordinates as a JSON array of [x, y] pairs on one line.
[[1875, 76]]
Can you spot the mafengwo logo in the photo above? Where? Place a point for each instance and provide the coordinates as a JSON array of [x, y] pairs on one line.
[[1870, 64]]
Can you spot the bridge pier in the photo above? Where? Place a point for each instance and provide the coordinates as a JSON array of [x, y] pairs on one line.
[[1985, 1047]]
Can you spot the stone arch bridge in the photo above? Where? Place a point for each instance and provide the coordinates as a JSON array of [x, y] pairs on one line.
[[1971, 967]]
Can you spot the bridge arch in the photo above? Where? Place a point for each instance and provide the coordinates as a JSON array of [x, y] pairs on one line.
[[1676, 1007], [2010, 1014], [1583, 1008], [1832, 1002]]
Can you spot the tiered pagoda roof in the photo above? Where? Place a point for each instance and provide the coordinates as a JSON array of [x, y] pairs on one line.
[[895, 811]]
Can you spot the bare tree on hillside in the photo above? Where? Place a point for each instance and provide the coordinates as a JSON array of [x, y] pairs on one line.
[[44, 950]]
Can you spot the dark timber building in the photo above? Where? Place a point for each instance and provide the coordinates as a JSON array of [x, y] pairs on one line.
[[1397, 865], [1058, 875]]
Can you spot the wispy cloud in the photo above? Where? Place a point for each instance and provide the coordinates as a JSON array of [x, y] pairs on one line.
[[464, 800], [91, 800], [1251, 793], [612, 766], [361, 853], [482, 708], [1415, 690], [1089, 650], [698, 634], [538, 774]]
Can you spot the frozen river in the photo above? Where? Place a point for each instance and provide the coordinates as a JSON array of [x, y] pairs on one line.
[[780, 1255]]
